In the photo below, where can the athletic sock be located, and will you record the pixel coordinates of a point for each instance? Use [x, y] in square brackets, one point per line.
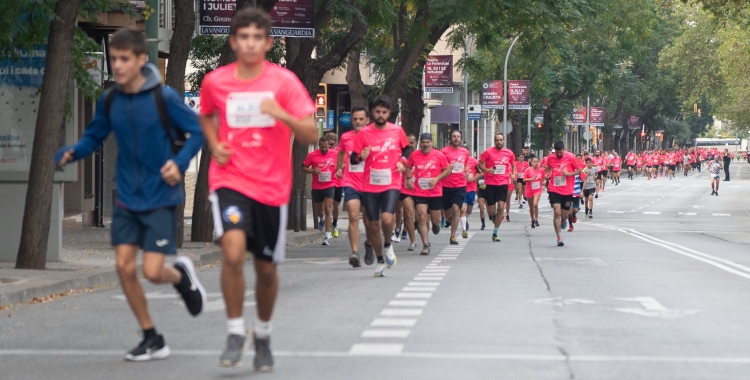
[387, 245]
[262, 329]
[328, 235]
[334, 222]
[236, 326]
[463, 223]
[150, 333]
[495, 231]
[380, 260]
[482, 220]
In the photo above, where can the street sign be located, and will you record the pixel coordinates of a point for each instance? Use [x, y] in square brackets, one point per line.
[475, 112]
[475, 116]
[539, 118]
[587, 135]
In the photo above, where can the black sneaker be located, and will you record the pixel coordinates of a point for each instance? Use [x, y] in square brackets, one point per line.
[435, 229]
[369, 254]
[149, 349]
[263, 361]
[190, 288]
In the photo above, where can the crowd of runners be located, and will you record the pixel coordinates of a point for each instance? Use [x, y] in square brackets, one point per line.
[403, 187]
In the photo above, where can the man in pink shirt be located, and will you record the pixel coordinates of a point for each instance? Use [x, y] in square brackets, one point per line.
[454, 186]
[630, 160]
[497, 163]
[338, 193]
[563, 167]
[321, 163]
[249, 112]
[381, 146]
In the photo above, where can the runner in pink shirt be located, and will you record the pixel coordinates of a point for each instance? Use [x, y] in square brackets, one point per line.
[521, 166]
[337, 183]
[454, 186]
[249, 112]
[497, 165]
[406, 207]
[631, 160]
[616, 167]
[351, 181]
[321, 163]
[425, 170]
[471, 192]
[601, 176]
[534, 178]
[563, 167]
[381, 146]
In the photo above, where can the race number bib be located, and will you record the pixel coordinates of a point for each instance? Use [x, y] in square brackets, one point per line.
[560, 180]
[499, 169]
[424, 183]
[359, 168]
[520, 175]
[616, 167]
[243, 110]
[324, 177]
[536, 185]
[481, 183]
[458, 167]
[380, 177]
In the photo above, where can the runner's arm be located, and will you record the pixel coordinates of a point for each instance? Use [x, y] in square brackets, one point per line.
[95, 134]
[185, 120]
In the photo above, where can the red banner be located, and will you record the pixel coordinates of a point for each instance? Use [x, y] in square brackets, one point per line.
[596, 116]
[438, 74]
[635, 122]
[519, 94]
[492, 94]
[579, 116]
[289, 18]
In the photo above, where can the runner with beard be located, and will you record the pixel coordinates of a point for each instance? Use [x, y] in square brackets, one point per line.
[630, 160]
[562, 167]
[498, 168]
[321, 163]
[407, 207]
[454, 186]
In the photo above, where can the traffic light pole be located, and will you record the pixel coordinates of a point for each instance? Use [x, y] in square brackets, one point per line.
[505, 89]
[152, 30]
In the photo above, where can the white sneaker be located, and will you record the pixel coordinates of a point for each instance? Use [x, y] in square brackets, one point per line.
[379, 269]
[396, 238]
[390, 257]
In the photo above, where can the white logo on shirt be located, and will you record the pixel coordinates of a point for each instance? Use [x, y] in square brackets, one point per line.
[162, 242]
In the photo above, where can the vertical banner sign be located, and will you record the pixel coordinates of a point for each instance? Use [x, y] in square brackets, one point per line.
[293, 18]
[215, 16]
[492, 95]
[519, 94]
[596, 116]
[635, 122]
[289, 18]
[438, 74]
[579, 116]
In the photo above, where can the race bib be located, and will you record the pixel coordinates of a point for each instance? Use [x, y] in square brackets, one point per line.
[617, 167]
[359, 168]
[243, 110]
[536, 185]
[481, 183]
[458, 167]
[380, 177]
[324, 177]
[559, 180]
[499, 169]
[520, 175]
[424, 183]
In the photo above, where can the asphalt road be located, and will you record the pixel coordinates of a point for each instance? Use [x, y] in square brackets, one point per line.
[654, 287]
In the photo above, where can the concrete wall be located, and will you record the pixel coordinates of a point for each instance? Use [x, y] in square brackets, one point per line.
[14, 201]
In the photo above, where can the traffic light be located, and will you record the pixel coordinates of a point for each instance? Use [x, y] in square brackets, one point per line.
[321, 101]
[539, 125]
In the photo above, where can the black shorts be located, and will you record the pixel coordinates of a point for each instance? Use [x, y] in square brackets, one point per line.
[433, 203]
[152, 231]
[402, 197]
[264, 225]
[565, 201]
[576, 202]
[480, 193]
[601, 175]
[378, 203]
[319, 195]
[453, 196]
[672, 167]
[495, 193]
[351, 194]
[337, 194]
[630, 167]
[588, 192]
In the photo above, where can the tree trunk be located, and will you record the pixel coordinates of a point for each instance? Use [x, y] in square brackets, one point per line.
[357, 89]
[517, 118]
[179, 50]
[413, 108]
[32, 252]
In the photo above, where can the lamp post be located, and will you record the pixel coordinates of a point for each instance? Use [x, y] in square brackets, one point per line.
[505, 87]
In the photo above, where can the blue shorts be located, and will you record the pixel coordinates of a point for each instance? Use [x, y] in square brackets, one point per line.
[152, 231]
[351, 194]
[470, 197]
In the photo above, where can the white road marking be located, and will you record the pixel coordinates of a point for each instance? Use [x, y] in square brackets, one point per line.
[401, 312]
[651, 213]
[432, 274]
[687, 213]
[394, 322]
[652, 308]
[559, 301]
[385, 334]
[413, 295]
[722, 215]
[374, 349]
[428, 279]
[615, 212]
[446, 258]
[424, 284]
[407, 303]
[419, 289]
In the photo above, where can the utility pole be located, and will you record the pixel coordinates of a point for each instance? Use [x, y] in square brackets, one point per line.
[588, 121]
[465, 134]
[505, 88]
[152, 30]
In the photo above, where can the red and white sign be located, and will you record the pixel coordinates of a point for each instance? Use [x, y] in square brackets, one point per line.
[519, 94]
[596, 116]
[492, 94]
[438, 74]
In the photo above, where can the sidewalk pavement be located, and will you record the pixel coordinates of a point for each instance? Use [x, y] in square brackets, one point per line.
[88, 262]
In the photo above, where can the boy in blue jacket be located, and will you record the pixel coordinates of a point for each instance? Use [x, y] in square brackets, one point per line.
[149, 180]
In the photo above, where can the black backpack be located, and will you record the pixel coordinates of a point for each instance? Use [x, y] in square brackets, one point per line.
[176, 136]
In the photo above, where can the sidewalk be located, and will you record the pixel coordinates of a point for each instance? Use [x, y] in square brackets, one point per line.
[87, 262]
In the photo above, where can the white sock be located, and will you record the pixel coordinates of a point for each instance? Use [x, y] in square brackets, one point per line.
[463, 223]
[262, 329]
[236, 326]
[328, 235]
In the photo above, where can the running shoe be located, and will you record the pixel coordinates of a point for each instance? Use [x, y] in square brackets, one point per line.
[532, 224]
[232, 354]
[560, 242]
[149, 349]
[325, 241]
[507, 218]
[263, 361]
[591, 216]
[495, 238]
[520, 205]
[435, 229]
[465, 234]
[190, 288]
[570, 229]
[536, 222]
[404, 234]
[442, 222]
[575, 219]
[713, 192]
[390, 257]
[412, 247]
[425, 250]
[379, 270]
[447, 224]
[335, 232]
[321, 225]
[453, 241]
[596, 196]
[354, 260]
[396, 238]
[482, 226]
[369, 254]
[717, 193]
[563, 224]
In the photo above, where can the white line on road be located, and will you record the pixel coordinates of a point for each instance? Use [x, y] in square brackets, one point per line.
[419, 289]
[413, 295]
[401, 312]
[428, 278]
[651, 213]
[424, 284]
[722, 214]
[397, 322]
[407, 303]
[385, 334]
[365, 349]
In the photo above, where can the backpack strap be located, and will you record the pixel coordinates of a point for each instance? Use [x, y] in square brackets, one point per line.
[109, 98]
[161, 108]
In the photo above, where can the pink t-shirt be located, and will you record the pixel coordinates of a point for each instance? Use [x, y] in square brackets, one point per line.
[631, 159]
[472, 186]
[521, 167]
[424, 168]
[386, 145]
[261, 163]
[459, 157]
[502, 161]
[533, 187]
[560, 183]
[616, 163]
[327, 165]
[352, 173]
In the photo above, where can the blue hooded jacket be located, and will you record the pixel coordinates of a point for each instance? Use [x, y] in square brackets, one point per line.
[142, 143]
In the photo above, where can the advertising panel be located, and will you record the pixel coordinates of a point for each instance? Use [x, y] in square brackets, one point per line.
[492, 95]
[438, 74]
[519, 94]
